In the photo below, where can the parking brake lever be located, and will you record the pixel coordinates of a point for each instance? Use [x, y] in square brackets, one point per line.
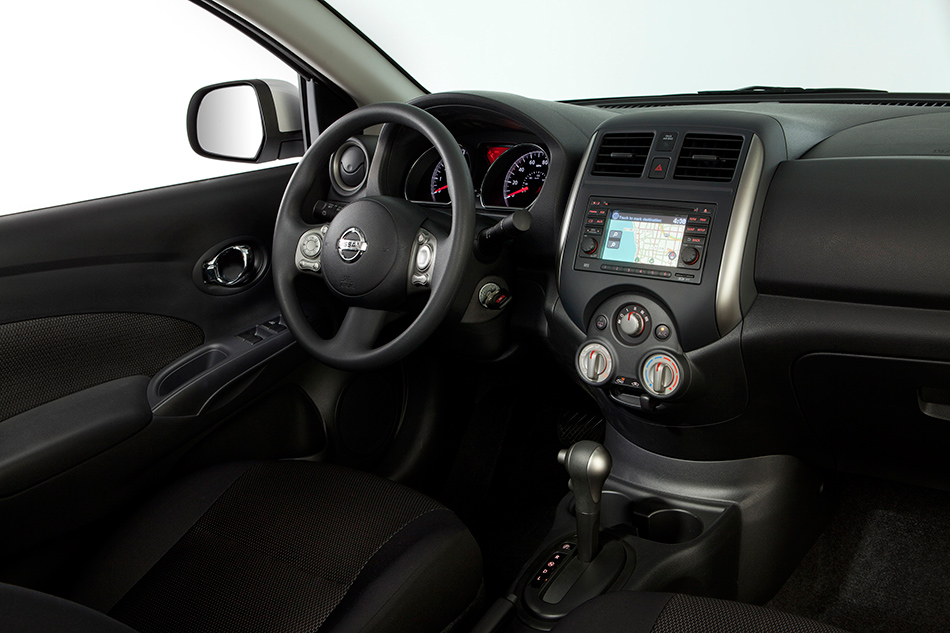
[588, 465]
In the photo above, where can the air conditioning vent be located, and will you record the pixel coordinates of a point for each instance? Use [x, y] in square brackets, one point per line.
[623, 155]
[709, 157]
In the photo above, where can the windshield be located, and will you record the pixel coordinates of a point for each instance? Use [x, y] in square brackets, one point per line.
[570, 49]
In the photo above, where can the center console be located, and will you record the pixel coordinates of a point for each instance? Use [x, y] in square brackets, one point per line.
[656, 262]
[655, 269]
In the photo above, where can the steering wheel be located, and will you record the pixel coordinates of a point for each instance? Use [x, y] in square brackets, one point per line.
[378, 250]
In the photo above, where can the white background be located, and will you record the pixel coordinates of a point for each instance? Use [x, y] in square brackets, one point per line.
[95, 92]
[569, 49]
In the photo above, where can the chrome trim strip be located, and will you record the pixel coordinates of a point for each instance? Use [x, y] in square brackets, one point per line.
[728, 307]
[571, 200]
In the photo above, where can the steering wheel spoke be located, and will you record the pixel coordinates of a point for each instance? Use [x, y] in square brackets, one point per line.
[359, 331]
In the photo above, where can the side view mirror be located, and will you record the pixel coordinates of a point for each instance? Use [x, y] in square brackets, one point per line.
[251, 121]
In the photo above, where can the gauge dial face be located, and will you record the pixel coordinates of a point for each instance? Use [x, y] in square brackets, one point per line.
[439, 184]
[525, 178]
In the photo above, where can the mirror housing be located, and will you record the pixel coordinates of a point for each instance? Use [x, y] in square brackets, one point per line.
[250, 121]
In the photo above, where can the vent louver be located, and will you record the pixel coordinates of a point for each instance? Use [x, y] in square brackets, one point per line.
[622, 155]
[709, 157]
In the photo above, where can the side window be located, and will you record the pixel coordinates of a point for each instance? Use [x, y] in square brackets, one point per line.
[96, 96]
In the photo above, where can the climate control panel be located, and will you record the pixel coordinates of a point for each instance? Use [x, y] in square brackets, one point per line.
[633, 352]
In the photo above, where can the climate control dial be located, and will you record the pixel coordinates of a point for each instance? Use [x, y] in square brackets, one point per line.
[661, 374]
[632, 320]
[595, 364]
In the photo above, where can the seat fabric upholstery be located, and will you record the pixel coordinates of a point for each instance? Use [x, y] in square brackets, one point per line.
[642, 612]
[287, 547]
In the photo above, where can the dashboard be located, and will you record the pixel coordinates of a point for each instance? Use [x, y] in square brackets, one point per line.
[727, 280]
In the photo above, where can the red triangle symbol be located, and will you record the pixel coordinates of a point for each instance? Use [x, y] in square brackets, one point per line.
[659, 167]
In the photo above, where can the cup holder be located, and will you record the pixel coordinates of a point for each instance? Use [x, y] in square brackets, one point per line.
[652, 519]
[672, 526]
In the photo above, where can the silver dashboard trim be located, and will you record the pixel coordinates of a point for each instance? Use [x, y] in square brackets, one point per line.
[728, 306]
[571, 200]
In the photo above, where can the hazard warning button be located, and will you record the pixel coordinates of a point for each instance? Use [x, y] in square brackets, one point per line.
[659, 167]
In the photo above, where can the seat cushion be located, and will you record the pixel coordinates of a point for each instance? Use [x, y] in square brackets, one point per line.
[284, 547]
[27, 611]
[643, 612]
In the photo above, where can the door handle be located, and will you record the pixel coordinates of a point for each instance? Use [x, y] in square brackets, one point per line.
[233, 266]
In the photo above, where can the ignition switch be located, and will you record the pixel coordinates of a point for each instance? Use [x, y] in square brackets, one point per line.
[493, 296]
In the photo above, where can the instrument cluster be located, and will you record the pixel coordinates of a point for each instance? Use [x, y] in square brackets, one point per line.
[506, 176]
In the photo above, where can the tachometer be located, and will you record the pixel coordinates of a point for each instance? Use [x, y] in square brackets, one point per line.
[525, 178]
[438, 184]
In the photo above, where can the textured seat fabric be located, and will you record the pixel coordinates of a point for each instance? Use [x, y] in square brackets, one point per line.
[27, 611]
[287, 547]
[641, 612]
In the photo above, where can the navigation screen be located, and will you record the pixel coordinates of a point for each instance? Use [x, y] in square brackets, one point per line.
[644, 238]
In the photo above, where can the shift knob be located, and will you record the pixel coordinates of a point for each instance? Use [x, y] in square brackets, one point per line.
[588, 465]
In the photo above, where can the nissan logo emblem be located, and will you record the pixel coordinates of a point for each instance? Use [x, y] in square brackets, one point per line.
[352, 244]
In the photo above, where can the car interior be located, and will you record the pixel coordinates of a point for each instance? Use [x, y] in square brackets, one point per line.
[480, 362]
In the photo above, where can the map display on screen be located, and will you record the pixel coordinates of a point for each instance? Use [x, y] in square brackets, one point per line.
[644, 238]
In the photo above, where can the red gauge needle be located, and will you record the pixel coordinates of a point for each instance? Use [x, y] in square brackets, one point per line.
[515, 193]
[442, 188]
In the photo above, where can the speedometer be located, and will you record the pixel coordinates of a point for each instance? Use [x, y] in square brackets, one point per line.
[515, 179]
[525, 178]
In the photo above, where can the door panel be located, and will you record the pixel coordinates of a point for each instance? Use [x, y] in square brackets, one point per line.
[99, 297]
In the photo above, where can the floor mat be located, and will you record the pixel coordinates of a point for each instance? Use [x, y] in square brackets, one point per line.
[883, 563]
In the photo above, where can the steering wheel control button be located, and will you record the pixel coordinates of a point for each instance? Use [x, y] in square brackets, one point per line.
[600, 322]
[423, 257]
[633, 322]
[312, 245]
[661, 375]
[595, 364]
[420, 279]
[659, 167]
[662, 332]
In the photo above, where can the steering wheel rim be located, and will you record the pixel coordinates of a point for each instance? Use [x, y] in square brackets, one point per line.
[351, 348]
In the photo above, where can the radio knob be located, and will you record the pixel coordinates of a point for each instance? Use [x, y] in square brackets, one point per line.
[631, 324]
[588, 245]
[690, 255]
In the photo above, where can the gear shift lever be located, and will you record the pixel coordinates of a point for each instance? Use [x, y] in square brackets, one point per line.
[588, 465]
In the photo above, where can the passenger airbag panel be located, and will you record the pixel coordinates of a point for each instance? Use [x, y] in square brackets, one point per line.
[869, 230]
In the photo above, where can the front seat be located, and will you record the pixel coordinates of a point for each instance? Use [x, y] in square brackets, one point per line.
[285, 547]
[645, 612]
